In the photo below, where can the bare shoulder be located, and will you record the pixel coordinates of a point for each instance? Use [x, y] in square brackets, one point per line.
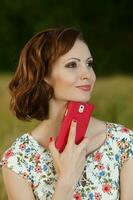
[12, 181]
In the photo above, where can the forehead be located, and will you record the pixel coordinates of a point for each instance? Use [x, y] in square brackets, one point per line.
[79, 50]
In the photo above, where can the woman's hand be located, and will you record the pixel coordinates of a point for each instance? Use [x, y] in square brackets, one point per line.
[70, 163]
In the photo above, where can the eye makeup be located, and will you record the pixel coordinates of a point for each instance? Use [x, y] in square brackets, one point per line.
[74, 64]
[90, 63]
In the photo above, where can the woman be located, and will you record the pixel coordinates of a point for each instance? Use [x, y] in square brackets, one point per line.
[52, 66]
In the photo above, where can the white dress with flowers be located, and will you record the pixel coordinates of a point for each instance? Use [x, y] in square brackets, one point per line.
[100, 179]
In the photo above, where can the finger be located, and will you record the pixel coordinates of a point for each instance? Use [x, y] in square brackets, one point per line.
[72, 132]
[84, 144]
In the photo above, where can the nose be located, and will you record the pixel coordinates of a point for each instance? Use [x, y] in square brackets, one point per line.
[85, 72]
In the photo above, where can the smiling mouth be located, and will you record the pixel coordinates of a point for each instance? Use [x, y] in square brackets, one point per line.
[85, 88]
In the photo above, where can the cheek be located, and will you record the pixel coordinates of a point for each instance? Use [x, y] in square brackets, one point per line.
[62, 81]
[93, 76]
[62, 86]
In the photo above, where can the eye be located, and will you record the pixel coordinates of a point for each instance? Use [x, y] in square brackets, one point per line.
[71, 65]
[90, 63]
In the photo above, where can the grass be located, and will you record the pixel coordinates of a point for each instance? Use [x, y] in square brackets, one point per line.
[112, 96]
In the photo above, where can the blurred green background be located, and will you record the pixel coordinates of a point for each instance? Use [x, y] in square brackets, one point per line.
[107, 26]
[108, 29]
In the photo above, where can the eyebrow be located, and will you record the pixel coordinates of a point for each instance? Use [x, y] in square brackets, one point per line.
[78, 59]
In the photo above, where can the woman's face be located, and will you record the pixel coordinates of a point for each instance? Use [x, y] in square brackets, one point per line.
[75, 68]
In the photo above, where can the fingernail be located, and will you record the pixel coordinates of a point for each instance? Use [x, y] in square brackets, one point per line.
[58, 149]
[51, 139]
[74, 120]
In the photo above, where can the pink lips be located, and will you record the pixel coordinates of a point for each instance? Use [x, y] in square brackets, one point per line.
[84, 87]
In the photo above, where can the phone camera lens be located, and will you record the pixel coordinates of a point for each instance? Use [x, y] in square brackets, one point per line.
[81, 108]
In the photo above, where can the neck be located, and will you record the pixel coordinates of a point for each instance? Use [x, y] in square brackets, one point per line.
[56, 110]
[52, 125]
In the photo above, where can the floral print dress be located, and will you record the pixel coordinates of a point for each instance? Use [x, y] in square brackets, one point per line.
[100, 179]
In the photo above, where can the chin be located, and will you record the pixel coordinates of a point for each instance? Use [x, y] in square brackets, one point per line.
[85, 99]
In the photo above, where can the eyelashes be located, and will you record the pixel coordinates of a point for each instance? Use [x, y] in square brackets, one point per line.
[74, 64]
[90, 63]
[71, 65]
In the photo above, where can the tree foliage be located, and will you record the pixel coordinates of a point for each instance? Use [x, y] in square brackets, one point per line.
[107, 27]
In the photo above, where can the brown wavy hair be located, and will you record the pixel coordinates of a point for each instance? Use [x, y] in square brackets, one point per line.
[30, 94]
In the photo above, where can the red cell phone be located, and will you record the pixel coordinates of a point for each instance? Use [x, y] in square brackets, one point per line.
[75, 110]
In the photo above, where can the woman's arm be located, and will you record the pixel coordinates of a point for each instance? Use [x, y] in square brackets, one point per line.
[64, 189]
[126, 180]
[17, 187]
